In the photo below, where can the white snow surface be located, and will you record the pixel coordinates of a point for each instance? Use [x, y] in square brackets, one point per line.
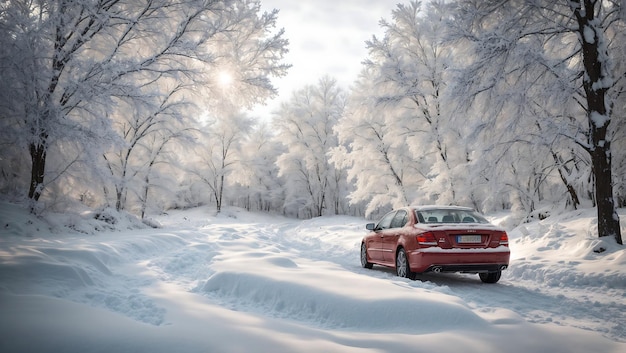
[247, 282]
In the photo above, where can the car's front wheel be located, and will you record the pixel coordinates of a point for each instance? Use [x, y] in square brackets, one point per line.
[490, 277]
[402, 265]
[364, 262]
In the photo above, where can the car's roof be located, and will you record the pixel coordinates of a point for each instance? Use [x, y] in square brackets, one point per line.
[438, 207]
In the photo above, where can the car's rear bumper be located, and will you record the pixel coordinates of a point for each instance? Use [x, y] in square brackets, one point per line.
[467, 268]
[459, 260]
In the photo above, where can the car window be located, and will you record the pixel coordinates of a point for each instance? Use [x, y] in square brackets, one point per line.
[385, 222]
[448, 215]
[400, 219]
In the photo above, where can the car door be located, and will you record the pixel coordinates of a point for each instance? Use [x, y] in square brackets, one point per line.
[390, 237]
[375, 241]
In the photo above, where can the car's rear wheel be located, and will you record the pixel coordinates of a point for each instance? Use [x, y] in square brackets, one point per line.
[490, 277]
[402, 265]
[364, 262]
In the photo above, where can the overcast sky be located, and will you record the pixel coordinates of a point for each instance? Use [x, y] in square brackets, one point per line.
[325, 37]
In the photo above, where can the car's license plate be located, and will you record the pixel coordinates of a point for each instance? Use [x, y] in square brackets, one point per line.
[463, 239]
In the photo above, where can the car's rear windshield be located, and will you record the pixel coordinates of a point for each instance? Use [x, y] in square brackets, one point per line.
[448, 215]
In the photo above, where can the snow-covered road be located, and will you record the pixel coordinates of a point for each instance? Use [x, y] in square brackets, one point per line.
[242, 282]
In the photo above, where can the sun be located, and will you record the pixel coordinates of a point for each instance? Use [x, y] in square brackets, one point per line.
[225, 79]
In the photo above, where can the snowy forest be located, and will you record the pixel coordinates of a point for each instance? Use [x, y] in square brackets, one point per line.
[144, 106]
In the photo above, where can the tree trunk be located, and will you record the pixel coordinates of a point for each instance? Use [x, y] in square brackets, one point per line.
[608, 220]
[562, 173]
[38, 170]
[146, 189]
[596, 85]
[220, 192]
[39, 149]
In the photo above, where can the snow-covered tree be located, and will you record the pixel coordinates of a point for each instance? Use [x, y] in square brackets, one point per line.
[549, 61]
[399, 111]
[416, 68]
[67, 64]
[219, 153]
[148, 127]
[305, 126]
[257, 185]
[376, 160]
[146, 130]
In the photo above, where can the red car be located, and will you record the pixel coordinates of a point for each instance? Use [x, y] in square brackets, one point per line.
[422, 239]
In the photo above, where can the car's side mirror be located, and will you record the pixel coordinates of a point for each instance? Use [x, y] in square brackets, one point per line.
[370, 226]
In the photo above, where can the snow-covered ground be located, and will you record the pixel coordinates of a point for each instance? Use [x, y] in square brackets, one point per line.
[245, 282]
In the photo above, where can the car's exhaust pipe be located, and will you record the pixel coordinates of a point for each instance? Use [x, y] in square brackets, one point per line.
[436, 269]
[503, 267]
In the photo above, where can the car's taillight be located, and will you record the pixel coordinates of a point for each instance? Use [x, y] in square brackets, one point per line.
[427, 239]
[504, 239]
